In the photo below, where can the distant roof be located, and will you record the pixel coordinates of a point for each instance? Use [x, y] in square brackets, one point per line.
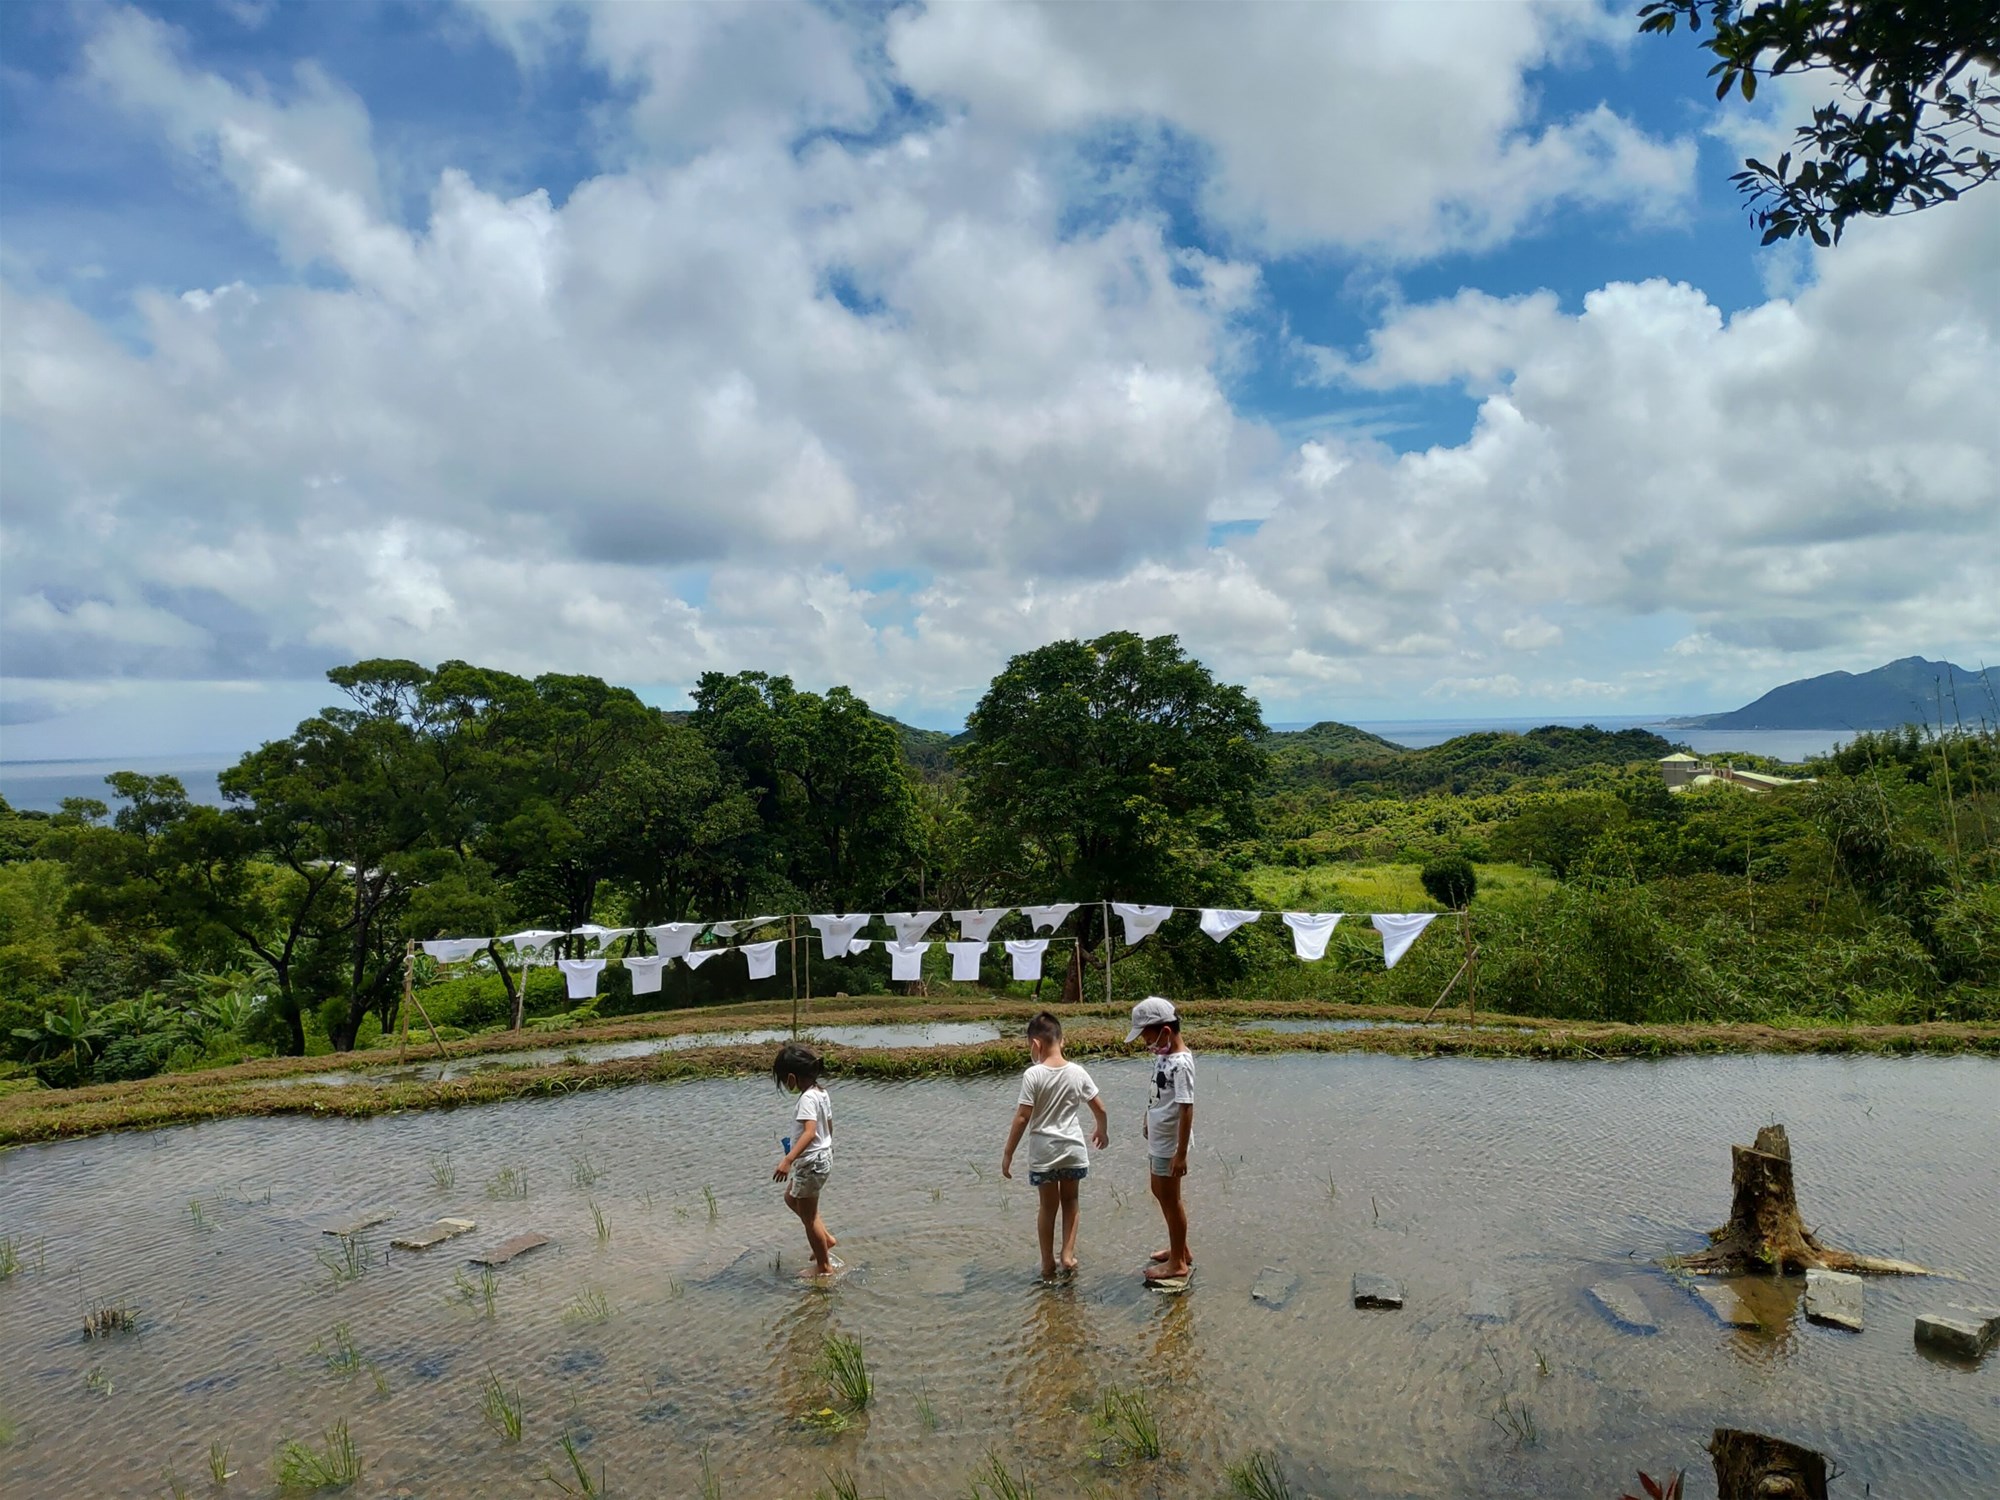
[1677, 755]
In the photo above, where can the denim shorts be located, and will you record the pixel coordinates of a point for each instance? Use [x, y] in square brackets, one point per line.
[807, 1179]
[1163, 1166]
[1058, 1174]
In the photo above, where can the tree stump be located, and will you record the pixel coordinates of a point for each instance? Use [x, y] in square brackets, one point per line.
[1765, 1233]
[1750, 1466]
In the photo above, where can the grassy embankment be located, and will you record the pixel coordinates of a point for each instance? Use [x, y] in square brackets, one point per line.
[262, 1087]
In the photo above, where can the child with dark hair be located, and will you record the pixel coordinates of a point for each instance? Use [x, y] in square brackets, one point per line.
[808, 1158]
[1169, 1123]
[1050, 1113]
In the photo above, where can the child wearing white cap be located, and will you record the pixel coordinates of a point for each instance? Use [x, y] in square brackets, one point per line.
[1169, 1124]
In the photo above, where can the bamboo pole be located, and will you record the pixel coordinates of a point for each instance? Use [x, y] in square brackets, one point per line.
[792, 950]
[410, 995]
[409, 989]
[1108, 1005]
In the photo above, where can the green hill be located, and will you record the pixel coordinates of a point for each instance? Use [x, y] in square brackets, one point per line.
[1910, 691]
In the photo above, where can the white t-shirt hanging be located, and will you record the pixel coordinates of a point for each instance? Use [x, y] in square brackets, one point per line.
[1048, 918]
[645, 973]
[977, 926]
[1027, 955]
[533, 940]
[762, 958]
[600, 937]
[906, 960]
[911, 925]
[452, 950]
[859, 946]
[815, 1106]
[673, 938]
[1310, 930]
[694, 958]
[1056, 1098]
[837, 931]
[965, 959]
[580, 975]
[1398, 932]
[1219, 922]
[1173, 1086]
[1140, 921]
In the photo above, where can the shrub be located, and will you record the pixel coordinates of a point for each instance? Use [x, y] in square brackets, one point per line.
[1450, 881]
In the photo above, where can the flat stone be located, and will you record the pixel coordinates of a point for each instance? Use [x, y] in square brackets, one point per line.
[1373, 1290]
[1622, 1305]
[1834, 1297]
[1273, 1287]
[1727, 1304]
[1170, 1286]
[357, 1226]
[434, 1234]
[1967, 1332]
[1490, 1303]
[506, 1250]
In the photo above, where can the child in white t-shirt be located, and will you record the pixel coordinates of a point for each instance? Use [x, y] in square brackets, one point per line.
[808, 1159]
[1050, 1113]
[1169, 1124]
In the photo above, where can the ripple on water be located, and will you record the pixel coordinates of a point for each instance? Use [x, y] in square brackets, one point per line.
[1543, 1177]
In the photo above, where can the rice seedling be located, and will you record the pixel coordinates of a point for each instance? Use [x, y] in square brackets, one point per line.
[444, 1176]
[6, 1431]
[841, 1485]
[1541, 1363]
[843, 1366]
[681, 1212]
[926, 1411]
[344, 1358]
[381, 1380]
[603, 1224]
[994, 1482]
[198, 1216]
[1517, 1421]
[937, 1194]
[335, 1465]
[508, 1182]
[94, 1379]
[1128, 1418]
[711, 1482]
[219, 1472]
[1259, 1477]
[348, 1261]
[582, 1172]
[589, 1306]
[978, 1172]
[176, 1486]
[485, 1289]
[501, 1407]
[708, 1196]
[10, 1258]
[1332, 1188]
[646, 1200]
[584, 1486]
[674, 1288]
[102, 1319]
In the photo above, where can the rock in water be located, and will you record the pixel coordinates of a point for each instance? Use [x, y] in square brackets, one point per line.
[1374, 1290]
[358, 1226]
[1967, 1332]
[1273, 1287]
[506, 1250]
[1834, 1297]
[1727, 1304]
[434, 1234]
[1621, 1304]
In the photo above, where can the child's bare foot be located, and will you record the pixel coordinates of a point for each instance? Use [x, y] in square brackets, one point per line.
[1166, 1270]
[1069, 1265]
[1159, 1255]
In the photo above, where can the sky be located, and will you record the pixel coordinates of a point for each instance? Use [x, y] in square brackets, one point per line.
[1405, 360]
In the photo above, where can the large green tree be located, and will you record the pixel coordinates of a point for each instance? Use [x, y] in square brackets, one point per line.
[1915, 121]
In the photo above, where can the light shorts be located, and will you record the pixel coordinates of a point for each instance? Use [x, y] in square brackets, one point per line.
[1058, 1174]
[1163, 1166]
[807, 1178]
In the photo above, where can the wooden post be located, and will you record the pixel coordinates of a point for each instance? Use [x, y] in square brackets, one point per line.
[1472, 967]
[792, 951]
[409, 988]
[1107, 956]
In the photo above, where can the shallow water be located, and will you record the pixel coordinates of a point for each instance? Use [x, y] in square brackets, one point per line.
[1543, 1176]
[921, 1034]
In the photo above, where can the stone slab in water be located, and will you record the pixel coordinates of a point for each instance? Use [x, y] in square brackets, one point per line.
[1273, 1287]
[1834, 1297]
[1621, 1303]
[1490, 1303]
[366, 1221]
[1169, 1286]
[1965, 1331]
[506, 1250]
[1727, 1304]
[434, 1234]
[1374, 1290]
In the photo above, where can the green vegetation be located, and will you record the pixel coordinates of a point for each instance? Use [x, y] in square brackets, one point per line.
[995, 1481]
[501, 1407]
[581, 1483]
[845, 1370]
[334, 1465]
[1259, 1477]
[1126, 1417]
[588, 1306]
[344, 1358]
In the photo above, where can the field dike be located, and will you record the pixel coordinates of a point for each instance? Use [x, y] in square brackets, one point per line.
[269, 1086]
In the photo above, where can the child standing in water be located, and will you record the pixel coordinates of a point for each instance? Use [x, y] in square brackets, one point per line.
[1169, 1124]
[809, 1159]
[1053, 1093]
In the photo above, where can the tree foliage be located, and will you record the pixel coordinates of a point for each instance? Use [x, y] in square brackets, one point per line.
[1917, 117]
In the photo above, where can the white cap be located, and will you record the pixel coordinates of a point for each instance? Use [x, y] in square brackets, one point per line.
[1151, 1011]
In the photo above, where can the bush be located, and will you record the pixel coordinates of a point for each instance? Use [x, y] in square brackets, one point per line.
[1450, 881]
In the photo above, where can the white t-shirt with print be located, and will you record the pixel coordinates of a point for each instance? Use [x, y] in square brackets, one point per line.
[1055, 1098]
[815, 1106]
[1173, 1086]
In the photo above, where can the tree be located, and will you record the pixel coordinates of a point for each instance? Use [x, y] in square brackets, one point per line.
[1117, 767]
[1916, 122]
[1450, 881]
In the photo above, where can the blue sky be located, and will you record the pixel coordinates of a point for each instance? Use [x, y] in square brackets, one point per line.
[1406, 361]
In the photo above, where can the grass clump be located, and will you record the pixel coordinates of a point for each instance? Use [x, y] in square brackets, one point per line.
[927, 1412]
[1259, 1477]
[508, 1182]
[484, 1289]
[444, 1176]
[993, 1481]
[583, 1172]
[348, 1261]
[344, 1358]
[501, 1407]
[580, 1483]
[198, 1216]
[845, 1368]
[102, 1319]
[603, 1224]
[588, 1306]
[10, 1258]
[1128, 1418]
[842, 1485]
[219, 1472]
[708, 1197]
[334, 1465]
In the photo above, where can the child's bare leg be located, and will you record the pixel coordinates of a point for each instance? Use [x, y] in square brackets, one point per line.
[1068, 1199]
[807, 1210]
[826, 1242]
[1047, 1196]
[1177, 1262]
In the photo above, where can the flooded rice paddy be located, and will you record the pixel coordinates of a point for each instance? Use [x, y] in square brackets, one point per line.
[663, 1328]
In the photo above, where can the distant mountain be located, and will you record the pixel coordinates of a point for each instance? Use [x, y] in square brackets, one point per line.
[1910, 691]
[1342, 757]
[1326, 740]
